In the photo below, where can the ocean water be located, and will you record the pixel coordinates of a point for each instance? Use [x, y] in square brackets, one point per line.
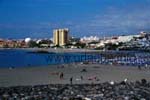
[25, 58]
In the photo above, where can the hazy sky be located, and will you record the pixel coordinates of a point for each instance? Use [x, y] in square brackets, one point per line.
[37, 18]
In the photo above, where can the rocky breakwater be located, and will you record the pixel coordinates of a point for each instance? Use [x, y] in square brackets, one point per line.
[124, 90]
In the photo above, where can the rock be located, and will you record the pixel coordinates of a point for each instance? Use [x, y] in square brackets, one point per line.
[87, 98]
[112, 83]
[102, 91]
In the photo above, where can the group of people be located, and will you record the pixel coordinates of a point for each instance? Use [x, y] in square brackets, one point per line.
[61, 76]
[91, 78]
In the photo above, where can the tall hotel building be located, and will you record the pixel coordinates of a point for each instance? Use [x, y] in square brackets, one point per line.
[60, 36]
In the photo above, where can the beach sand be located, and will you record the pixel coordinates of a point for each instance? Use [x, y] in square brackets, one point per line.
[50, 74]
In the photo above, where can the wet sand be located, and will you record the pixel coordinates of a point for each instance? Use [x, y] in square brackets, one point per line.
[50, 74]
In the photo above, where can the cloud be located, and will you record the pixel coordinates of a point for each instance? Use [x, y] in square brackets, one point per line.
[120, 17]
[119, 21]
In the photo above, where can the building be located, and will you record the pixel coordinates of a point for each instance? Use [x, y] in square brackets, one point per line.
[2, 43]
[89, 39]
[60, 37]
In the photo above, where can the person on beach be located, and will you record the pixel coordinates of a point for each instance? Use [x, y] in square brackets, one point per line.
[139, 67]
[83, 70]
[61, 76]
[81, 77]
[146, 66]
[71, 79]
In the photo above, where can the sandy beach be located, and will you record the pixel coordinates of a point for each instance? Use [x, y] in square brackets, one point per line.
[95, 73]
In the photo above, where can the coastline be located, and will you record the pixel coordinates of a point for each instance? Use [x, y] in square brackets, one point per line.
[50, 74]
[59, 50]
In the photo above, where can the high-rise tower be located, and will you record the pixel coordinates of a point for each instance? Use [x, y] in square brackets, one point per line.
[60, 36]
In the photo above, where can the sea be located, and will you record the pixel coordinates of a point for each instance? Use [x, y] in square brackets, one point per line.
[11, 58]
[25, 58]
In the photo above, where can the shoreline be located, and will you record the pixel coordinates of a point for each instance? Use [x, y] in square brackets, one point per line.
[59, 50]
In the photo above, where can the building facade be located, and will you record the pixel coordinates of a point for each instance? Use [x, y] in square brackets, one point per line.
[60, 37]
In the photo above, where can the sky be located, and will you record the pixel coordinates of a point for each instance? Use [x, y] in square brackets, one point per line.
[38, 18]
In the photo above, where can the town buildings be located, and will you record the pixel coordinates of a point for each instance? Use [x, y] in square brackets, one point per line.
[61, 39]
